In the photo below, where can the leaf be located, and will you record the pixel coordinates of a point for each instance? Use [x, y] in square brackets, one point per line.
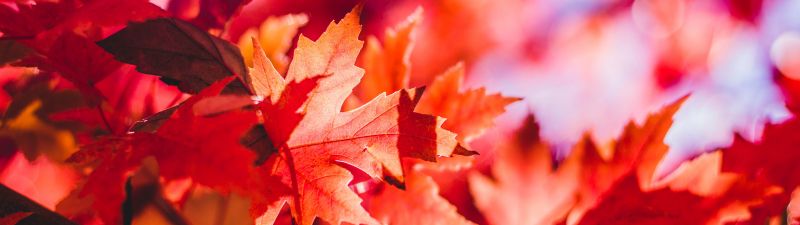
[80, 61]
[23, 20]
[266, 81]
[526, 187]
[178, 52]
[115, 12]
[468, 113]
[529, 188]
[627, 204]
[421, 199]
[700, 193]
[318, 142]
[35, 136]
[771, 160]
[275, 36]
[185, 145]
[37, 25]
[697, 193]
[387, 67]
[640, 148]
[739, 194]
[206, 207]
[206, 14]
[444, 40]
[26, 122]
[153, 122]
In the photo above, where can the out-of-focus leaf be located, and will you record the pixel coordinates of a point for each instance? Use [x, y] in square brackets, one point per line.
[206, 14]
[80, 61]
[206, 207]
[525, 186]
[205, 148]
[387, 66]
[275, 36]
[26, 122]
[420, 199]
[11, 51]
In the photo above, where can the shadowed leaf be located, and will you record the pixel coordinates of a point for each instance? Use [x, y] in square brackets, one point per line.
[178, 52]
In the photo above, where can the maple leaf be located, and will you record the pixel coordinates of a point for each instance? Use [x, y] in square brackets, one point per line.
[420, 198]
[770, 160]
[266, 80]
[387, 66]
[187, 144]
[37, 24]
[178, 52]
[526, 187]
[80, 61]
[318, 141]
[387, 69]
[699, 192]
[23, 20]
[275, 35]
[63, 35]
[391, 63]
[552, 193]
[468, 113]
[628, 204]
[639, 149]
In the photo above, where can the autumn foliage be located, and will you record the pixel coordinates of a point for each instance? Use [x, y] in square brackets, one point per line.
[202, 112]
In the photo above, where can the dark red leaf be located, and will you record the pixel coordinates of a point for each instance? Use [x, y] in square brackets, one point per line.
[178, 52]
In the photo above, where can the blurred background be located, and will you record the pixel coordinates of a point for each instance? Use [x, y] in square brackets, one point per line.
[593, 65]
[581, 66]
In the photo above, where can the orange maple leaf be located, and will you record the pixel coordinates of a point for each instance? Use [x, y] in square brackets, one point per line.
[468, 113]
[420, 199]
[387, 66]
[526, 187]
[638, 150]
[318, 142]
